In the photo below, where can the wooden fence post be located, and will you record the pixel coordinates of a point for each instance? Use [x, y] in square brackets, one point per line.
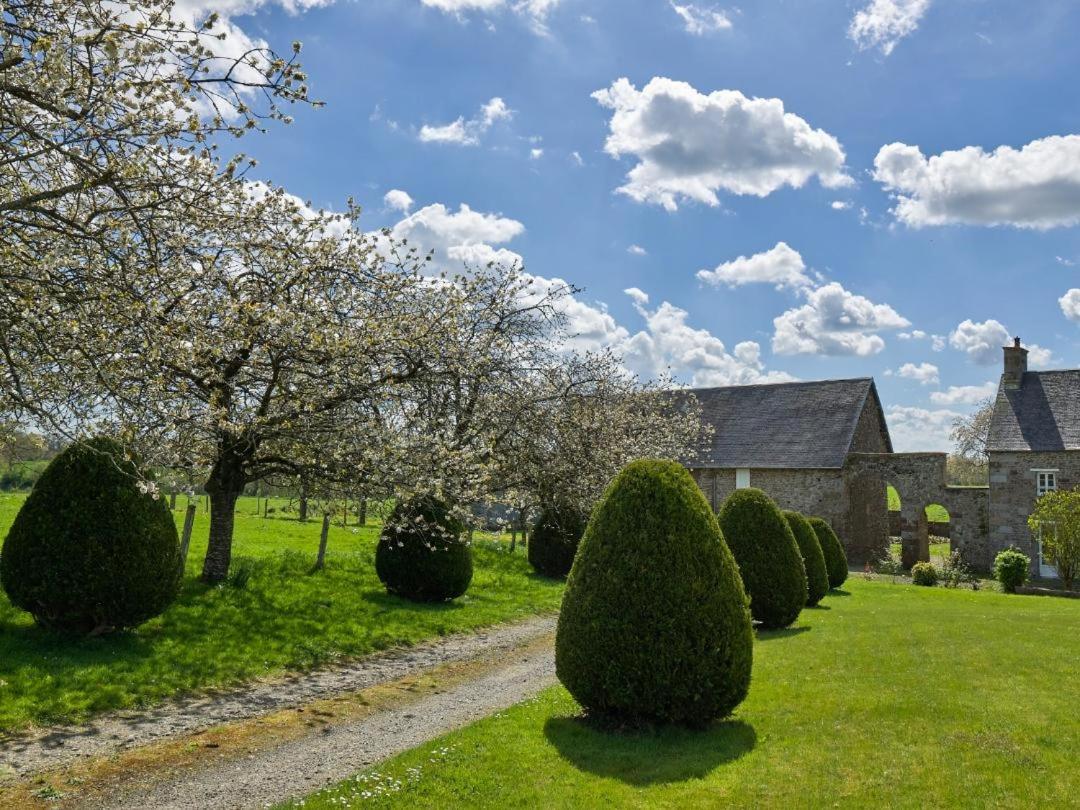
[185, 538]
[320, 561]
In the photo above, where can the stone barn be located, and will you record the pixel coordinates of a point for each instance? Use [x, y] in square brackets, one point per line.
[798, 442]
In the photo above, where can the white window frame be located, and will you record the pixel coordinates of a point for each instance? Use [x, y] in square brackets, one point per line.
[742, 478]
[1046, 570]
[1045, 481]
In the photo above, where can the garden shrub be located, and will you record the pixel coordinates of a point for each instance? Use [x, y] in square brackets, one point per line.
[1011, 568]
[835, 558]
[817, 577]
[768, 556]
[554, 541]
[654, 626]
[924, 573]
[422, 554]
[88, 551]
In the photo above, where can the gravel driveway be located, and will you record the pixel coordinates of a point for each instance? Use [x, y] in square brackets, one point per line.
[520, 663]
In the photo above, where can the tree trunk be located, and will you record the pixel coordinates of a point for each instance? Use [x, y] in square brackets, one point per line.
[303, 503]
[219, 548]
[320, 561]
[185, 538]
[172, 501]
[363, 512]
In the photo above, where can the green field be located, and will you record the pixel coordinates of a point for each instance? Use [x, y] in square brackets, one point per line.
[887, 696]
[284, 618]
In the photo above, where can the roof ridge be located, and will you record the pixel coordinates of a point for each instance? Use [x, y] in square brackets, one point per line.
[784, 383]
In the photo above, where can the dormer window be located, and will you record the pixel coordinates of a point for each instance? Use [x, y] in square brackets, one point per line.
[1045, 481]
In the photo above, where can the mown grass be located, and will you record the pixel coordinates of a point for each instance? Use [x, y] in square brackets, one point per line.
[284, 618]
[888, 696]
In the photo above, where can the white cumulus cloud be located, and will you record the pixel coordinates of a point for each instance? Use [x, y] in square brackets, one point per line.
[1036, 186]
[468, 132]
[835, 322]
[781, 266]
[669, 344]
[983, 342]
[964, 394]
[398, 200]
[637, 250]
[920, 429]
[536, 11]
[924, 373]
[883, 23]
[700, 21]
[1070, 304]
[691, 145]
[460, 237]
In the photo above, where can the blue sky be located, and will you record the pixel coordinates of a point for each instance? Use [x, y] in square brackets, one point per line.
[629, 144]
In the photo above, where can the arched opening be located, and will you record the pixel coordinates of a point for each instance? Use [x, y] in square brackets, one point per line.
[892, 499]
[939, 529]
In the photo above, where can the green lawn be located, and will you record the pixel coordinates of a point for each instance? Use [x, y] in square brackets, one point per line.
[284, 618]
[888, 696]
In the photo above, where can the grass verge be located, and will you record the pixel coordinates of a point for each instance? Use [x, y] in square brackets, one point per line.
[283, 618]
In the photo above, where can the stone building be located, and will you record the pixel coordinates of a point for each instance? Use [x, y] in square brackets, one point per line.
[1034, 446]
[823, 448]
[797, 442]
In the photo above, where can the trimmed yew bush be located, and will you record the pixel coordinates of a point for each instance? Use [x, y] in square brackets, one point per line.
[768, 556]
[654, 626]
[422, 554]
[1011, 567]
[835, 557]
[89, 552]
[924, 573]
[817, 577]
[554, 541]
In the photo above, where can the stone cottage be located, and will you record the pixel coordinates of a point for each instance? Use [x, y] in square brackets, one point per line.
[796, 441]
[1034, 446]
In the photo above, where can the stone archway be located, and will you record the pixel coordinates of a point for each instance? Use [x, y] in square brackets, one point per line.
[919, 479]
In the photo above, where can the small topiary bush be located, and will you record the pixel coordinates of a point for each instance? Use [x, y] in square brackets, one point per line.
[654, 626]
[835, 558]
[768, 556]
[817, 577]
[1011, 568]
[924, 573]
[89, 552]
[422, 554]
[554, 540]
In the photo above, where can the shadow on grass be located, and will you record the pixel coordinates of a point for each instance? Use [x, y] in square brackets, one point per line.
[649, 757]
[818, 606]
[838, 592]
[786, 632]
[388, 601]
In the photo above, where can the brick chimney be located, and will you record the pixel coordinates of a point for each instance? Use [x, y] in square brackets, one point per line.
[1015, 364]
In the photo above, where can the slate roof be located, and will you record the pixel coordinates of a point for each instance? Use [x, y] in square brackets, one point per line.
[805, 425]
[1042, 415]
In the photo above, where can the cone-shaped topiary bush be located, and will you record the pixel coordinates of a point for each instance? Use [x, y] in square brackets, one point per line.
[835, 558]
[768, 557]
[89, 552]
[654, 625]
[817, 577]
[554, 540]
[422, 555]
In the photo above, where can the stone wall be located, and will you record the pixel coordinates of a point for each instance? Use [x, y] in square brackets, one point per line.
[919, 479]
[821, 493]
[1013, 493]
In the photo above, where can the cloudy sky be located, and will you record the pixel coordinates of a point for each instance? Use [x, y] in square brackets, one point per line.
[774, 190]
